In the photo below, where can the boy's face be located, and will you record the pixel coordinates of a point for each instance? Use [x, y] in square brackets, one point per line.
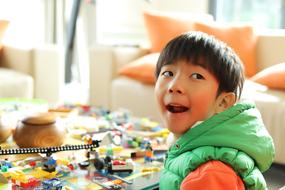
[185, 94]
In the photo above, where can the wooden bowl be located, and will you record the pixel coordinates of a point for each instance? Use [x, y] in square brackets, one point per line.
[39, 130]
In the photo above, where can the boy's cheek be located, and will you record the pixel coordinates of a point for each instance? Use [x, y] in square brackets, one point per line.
[205, 95]
[159, 89]
[204, 103]
[203, 98]
[158, 94]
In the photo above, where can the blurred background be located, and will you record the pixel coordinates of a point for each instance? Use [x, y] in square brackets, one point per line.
[75, 25]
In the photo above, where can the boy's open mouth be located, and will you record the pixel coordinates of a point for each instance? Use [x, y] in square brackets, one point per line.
[175, 108]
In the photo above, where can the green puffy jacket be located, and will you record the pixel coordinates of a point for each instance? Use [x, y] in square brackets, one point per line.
[236, 136]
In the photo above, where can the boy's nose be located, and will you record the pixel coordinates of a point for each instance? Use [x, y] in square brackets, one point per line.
[171, 90]
[175, 87]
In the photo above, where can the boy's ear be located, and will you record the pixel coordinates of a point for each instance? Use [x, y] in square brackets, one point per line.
[224, 101]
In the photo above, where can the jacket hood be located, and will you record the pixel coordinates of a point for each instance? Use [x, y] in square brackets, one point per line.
[240, 127]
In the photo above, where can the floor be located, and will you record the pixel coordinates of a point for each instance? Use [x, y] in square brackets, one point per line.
[275, 177]
[75, 92]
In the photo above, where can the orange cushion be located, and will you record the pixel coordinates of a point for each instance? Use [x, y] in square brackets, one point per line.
[163, 26]
[241, 38]
[3, 27]
[141, 69]
[273, 77]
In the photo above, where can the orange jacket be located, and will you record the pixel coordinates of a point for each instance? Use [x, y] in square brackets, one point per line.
[212, 175]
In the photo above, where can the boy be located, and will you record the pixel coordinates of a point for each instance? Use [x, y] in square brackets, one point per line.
[219, 143]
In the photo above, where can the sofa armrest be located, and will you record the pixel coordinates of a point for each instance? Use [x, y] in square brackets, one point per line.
[270, 48]
[48, 73]
[17, 58]
[104, 64]
[45, 64]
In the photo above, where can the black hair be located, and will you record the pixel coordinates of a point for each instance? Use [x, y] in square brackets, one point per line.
[207, 51]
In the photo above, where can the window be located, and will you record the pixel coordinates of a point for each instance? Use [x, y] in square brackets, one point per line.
[120, 22]
[262, 13]
[26, 21]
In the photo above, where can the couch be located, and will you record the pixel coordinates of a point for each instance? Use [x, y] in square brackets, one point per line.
[114, 91]
[32, 72]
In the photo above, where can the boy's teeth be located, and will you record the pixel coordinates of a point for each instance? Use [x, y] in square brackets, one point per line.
[176, 109]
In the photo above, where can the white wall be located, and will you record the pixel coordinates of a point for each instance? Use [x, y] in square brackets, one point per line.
[121, 21]
[26, 21]
[197, 6]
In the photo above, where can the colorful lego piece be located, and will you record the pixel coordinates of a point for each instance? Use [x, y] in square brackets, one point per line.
[148, 153]
[41, 174]
[21, 180]
[5, 165]
[50, 164]
[52, 184]
[113, 166]
[120, 166]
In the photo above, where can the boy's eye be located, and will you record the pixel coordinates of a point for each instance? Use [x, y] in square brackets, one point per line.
[197, 76]
[167, 74]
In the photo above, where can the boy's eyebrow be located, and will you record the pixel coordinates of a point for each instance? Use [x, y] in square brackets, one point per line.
[200, 65]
